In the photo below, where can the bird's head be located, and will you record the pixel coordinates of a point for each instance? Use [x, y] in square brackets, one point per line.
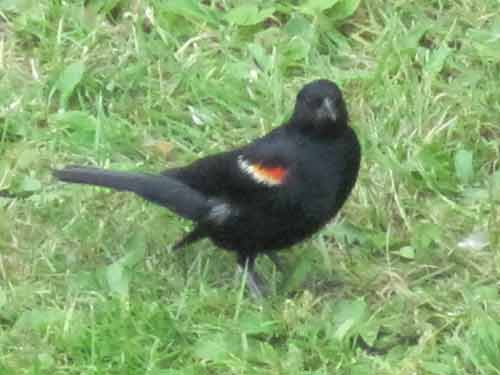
[320, 108]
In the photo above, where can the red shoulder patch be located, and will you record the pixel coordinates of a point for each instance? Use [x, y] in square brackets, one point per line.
[276, 174]
[271, 176]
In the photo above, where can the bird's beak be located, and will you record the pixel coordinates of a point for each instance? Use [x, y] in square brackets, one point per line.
[327, 110]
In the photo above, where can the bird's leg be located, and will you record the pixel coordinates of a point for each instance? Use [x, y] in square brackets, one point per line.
[278, 262]
[193, 236]
[255, 283]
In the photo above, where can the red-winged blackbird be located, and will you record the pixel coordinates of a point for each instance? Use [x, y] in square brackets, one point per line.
[261, 197]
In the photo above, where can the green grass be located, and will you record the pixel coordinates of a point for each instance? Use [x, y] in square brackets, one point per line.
[87, 284]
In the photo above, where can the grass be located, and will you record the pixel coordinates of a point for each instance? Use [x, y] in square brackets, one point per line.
[87, 285]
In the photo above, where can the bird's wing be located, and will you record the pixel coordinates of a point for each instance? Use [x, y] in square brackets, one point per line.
[262, 171]
[212, 175]
[263, 165]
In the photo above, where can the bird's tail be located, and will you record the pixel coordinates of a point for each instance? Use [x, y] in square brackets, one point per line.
[163, 190]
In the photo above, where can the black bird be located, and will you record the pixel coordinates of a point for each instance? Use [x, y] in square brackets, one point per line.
[261, 197]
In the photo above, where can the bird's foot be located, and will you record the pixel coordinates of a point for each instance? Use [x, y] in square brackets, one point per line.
[278, 262]
[256, 285]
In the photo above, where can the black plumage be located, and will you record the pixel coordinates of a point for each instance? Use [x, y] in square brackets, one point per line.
[263, 196]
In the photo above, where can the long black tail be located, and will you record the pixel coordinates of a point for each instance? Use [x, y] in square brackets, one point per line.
[162, 190]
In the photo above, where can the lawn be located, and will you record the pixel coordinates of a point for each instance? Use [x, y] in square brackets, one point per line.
[404, 281]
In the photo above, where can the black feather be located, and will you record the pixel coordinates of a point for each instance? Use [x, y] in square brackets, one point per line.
[233, 205]
[158, 189]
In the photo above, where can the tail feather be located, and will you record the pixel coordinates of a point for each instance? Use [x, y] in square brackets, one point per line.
[159, 189]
